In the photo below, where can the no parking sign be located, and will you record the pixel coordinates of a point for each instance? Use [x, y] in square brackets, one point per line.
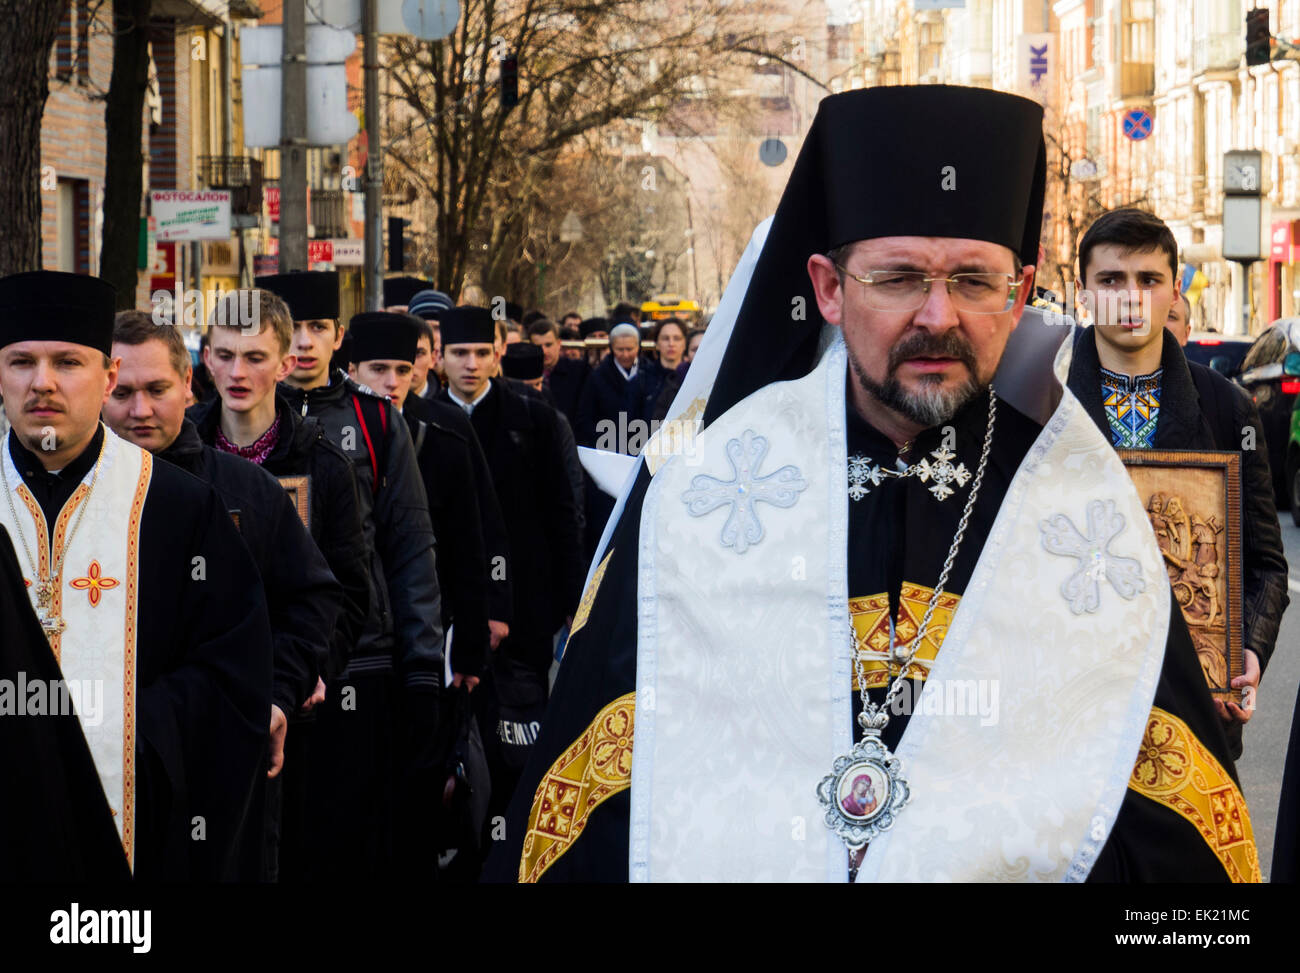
[1137, 124]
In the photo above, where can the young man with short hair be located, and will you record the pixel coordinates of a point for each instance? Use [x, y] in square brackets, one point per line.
[144, 589]
[396, 669]
[147, 407]
[566, 376]
[1131, 376]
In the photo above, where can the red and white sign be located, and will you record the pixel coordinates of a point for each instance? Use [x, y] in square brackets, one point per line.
[273, 203]
[320, 251]
[162, 275]
[1280, 242]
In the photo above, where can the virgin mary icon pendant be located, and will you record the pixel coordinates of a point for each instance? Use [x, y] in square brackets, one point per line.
[864, 791]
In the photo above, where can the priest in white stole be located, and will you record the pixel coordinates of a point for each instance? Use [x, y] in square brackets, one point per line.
[150, 604]
[896, 614]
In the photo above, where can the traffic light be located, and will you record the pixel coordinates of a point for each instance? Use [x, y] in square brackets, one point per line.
[1258, 41]
[397, 243]
[510, 79]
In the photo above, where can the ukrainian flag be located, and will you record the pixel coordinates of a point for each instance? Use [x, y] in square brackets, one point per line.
[1191, 283]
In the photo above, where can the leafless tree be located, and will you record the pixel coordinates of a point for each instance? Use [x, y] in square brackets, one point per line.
[30, 27]
[586, 71]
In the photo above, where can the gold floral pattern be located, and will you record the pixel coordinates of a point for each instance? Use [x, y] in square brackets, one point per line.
[589, 596]
[870, 617]
[594, 768]
[1173, 768]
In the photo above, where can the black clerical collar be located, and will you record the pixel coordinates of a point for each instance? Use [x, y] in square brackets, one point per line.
[34, 473]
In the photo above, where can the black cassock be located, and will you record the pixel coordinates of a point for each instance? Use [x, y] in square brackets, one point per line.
[203, 681]
[899, 538]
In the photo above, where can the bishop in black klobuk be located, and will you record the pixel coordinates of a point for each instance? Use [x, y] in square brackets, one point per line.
[897, 547]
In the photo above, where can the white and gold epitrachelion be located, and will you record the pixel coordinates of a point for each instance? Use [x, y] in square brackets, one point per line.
[88, 607]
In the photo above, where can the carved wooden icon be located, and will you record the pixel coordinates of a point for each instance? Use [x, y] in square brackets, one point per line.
[299, 490]
[1193, 500]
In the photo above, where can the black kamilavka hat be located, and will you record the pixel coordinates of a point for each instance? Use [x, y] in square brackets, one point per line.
[312, 295]
[49, 305]
[382, 335]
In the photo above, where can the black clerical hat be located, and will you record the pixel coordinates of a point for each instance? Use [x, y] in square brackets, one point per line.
[382, 335]
[590, 326]
[901, 160]
[49, 305]
[467, 325]
[399, 290]
[312, 295]
[523, 360]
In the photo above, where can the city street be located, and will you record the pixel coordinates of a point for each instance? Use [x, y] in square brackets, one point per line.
[1266, 737]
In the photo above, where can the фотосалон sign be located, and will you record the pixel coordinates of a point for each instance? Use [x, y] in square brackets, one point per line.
[191, 214]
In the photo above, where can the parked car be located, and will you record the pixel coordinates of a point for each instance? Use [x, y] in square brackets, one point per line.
[1293, 467]
[1222, 352]
[1275, 389]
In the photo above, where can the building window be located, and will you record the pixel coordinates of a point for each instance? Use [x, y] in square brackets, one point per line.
[72, 247]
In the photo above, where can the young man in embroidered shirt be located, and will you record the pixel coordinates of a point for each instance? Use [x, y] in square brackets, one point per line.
[147, 407]
[1130, 374]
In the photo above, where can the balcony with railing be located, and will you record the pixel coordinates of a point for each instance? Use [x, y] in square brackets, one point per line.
[240, 174]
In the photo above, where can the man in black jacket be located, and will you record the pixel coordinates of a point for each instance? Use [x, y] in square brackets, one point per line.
[1133, 379]
[147, 407]
[521, 438]
[566, 376]
[398, 663]
[382, 351]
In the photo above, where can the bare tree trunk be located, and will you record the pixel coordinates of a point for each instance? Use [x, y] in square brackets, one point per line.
[26, 39]
[123, 175]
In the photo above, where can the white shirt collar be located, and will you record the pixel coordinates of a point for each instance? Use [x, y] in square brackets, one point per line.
[469, 407]
[624, 372]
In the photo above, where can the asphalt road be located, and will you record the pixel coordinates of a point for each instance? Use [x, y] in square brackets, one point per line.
[1266, 736]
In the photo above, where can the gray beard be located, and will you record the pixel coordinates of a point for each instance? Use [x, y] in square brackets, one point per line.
[933, 405]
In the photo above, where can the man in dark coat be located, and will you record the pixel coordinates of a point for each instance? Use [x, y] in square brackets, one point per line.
[566, 376]
[147, 407]
[383, 347]
[151, 595]
[521, 438]
[1139, 388]
[397, 665]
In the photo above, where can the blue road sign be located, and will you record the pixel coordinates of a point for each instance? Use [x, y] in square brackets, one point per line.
[1137, 124]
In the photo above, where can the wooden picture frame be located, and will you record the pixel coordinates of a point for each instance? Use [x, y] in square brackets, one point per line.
[299, 490]
[1193, 499]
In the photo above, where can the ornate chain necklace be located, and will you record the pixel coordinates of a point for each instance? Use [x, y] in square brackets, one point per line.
[865, 789]
[52, 624]
[862, 471]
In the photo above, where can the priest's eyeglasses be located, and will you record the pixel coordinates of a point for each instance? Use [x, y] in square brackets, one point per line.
[907, 290]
